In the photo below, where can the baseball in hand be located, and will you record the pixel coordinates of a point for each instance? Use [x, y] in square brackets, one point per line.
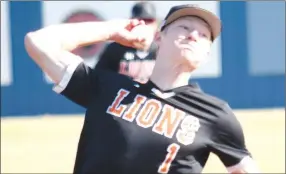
[147, 33]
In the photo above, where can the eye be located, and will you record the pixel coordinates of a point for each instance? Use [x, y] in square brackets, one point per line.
[204, 35]
[184, 27]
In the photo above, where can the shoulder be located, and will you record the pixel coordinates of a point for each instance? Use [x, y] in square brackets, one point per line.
[219, 109]
[224, 114]
[194, 93]
[225, 125]
[227, 119]
[228, 128]
[222, 111]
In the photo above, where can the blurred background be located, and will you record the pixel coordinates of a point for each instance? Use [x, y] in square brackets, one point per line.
[40, 129]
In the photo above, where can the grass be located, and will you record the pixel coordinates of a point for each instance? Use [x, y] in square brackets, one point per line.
[48, 144]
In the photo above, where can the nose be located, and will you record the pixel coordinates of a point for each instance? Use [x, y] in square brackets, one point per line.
[193, 36]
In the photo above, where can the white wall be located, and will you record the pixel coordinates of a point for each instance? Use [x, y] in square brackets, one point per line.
[6, 59]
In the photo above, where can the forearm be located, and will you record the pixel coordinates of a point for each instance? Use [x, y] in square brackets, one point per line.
[246, 165]
[249, 169]
[72, 35]
[49, 47]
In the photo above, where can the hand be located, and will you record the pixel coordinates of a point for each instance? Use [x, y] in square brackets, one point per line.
[124, 34]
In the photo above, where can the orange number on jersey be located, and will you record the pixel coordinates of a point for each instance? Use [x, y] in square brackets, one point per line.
[172, 152]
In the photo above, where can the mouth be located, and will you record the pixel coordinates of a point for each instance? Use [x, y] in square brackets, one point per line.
[190, 46]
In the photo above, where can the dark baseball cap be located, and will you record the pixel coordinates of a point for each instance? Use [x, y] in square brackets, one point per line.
[210, 18]
[144, 10]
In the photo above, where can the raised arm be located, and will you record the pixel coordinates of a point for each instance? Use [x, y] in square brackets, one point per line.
[50, 47]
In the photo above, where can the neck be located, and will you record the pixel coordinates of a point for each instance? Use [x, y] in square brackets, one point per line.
[166, 77]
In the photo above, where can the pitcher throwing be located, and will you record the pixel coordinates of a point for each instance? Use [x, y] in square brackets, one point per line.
[163, 126]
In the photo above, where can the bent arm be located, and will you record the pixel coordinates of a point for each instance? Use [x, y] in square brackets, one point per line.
[246, 165]
[229, 144]
[50, 47]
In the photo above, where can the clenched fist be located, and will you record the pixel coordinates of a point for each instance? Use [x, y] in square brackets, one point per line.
[132, 33]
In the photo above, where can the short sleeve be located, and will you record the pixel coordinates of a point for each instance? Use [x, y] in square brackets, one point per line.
[228, 142]
[78, 82]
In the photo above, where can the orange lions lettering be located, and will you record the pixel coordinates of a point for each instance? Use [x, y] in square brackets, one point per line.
[132, 111]
[168, 123]
[164, 119]
[149, 113]
[116, 107]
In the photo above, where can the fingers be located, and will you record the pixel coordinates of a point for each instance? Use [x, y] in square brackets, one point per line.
[127, 36]
[133, 23]
[132, 37]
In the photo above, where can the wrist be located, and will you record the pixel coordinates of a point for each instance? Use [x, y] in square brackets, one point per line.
[116, 26]
[113, 27]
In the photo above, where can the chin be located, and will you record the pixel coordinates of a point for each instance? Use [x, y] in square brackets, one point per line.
[192, 62]
[190, 65]
[189, 59]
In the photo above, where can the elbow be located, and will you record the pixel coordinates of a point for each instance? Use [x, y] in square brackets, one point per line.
[29, 43]
[51, 38]
[28, 40]
[29, 36]
[39, 43]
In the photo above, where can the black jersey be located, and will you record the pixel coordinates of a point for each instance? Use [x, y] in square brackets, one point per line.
[137, 128]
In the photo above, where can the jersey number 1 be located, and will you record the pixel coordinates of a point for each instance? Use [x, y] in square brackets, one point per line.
[172, 152]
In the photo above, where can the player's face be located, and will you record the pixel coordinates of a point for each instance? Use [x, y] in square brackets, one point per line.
[186, 40]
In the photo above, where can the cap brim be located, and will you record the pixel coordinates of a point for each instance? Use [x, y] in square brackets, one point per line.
[212, 20]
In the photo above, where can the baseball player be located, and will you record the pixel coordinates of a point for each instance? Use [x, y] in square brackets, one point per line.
[135, 63]
[162, 126]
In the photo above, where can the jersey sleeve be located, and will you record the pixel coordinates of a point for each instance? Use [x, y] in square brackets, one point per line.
[109, 58]
[78, 83]
[228, 141]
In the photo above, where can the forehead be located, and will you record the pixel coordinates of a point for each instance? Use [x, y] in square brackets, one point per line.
[191, 20]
